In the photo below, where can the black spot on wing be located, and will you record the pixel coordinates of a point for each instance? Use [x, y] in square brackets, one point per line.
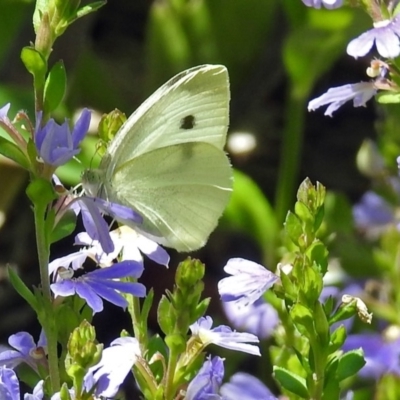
[187, 122]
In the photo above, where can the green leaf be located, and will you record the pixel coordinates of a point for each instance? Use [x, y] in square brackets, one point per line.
[331, 390]
[41, 192]
[66, 321]
[89, 8]
[318, 253]
[22, 289]
[321, 324]
[349, 364]
[13, 152]
[312, 283]
[156, 346]
[303, 212]
[293, 227]
[148, 302]
[291, 382]
[338, 338]
[64, 227]
[34, 62]
[55, 86]
[201, 308]
[164, 315]
[303, 318]
[290, 290]
[388, 98]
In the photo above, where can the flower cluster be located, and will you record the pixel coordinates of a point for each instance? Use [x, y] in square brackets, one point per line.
[385, 37]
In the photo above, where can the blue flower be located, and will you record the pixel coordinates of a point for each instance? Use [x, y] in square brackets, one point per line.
[381, 356]
[4, 111]
[259, 318]
[373, 212]
[330, 4]
[55, 143]
[9, 385]
[115, 364]
[206, 384]
[248, 282]
[245, 387]
[100, 283]
[37, 393]
[385, 35]
[127, 242]
[360, 93]
[25, 350]
[94, 223]
[224, 336]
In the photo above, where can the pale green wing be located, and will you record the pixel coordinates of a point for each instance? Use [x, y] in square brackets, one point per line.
[193, 106]
[180, 191]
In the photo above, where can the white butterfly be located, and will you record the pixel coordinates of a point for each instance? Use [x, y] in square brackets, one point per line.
[167, 162]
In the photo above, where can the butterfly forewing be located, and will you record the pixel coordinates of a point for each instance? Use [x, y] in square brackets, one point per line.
[191, 107]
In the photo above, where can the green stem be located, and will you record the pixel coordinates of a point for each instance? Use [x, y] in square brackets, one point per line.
[139, 330]
[46, 318]
[290, 155]
[169, 379]
[318, 377]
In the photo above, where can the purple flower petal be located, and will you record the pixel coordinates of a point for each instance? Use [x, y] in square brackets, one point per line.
[329, 4]
[115, 364]
[372, 211]
[101, 284]
[4, 111]
[385, 35]
[245, 387]
[55, 143]
[224, 336]
[95, 224]
[360, 93]
[81, 127]
[248, 282]
[259, 318]
[206, 384]
[9, 385]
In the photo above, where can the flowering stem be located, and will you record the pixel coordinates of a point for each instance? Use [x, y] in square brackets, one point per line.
[169, 380]
[290, 155]
[46, 319]
[320, 363]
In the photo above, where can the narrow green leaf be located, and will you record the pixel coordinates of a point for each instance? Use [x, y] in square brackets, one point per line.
[291, 382]
[293, 227]
[148, 302]
[92, 7]
[22, 289]
[349, 364]
[55, 86]
[318, 253]
[163, 315]
[321, 324]
[338, 338]
[13, 152]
